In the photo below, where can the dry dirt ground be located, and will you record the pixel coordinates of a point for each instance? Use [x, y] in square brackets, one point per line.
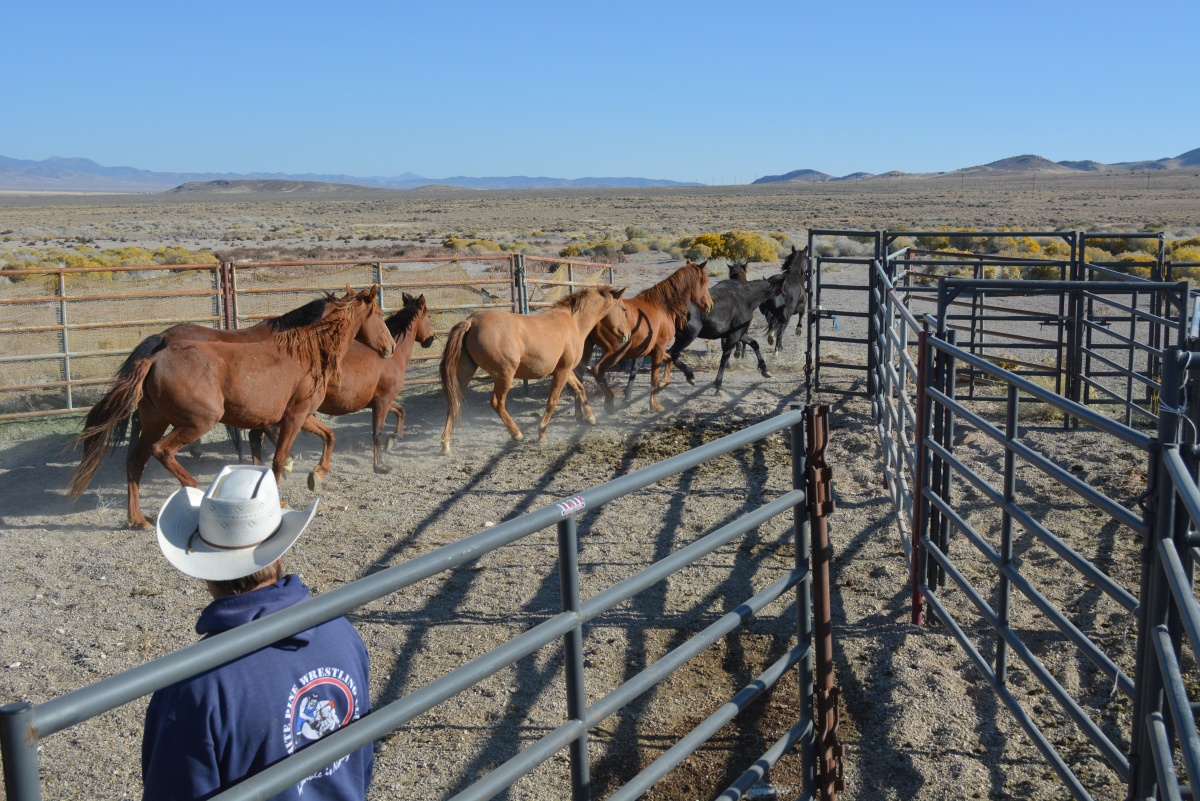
[84, 598]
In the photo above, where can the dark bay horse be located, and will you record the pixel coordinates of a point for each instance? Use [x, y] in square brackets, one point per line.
[367, 381]
[193, 386]
[791, 300]
[509, 346]
[652, 317]
[734, 303]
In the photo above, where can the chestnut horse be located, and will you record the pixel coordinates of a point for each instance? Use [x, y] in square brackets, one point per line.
[652, 317]
[193, 386]
[369, 381]
[509, 346]
[191, 332]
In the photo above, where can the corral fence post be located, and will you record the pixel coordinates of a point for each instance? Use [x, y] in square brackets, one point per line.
[18, 743]
[228, 281]
[378, 273]
[568, 579]
[804, 617]
[917, 566]
[819, 495]
[520, 289]
[65, 340]
[1154, 596]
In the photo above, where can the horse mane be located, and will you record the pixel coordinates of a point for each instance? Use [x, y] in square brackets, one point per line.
[573, 301]
[307, 314]
[400, 322]
[316, 344]
[673, 293]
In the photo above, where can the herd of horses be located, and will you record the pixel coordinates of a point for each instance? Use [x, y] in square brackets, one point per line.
[339, 355]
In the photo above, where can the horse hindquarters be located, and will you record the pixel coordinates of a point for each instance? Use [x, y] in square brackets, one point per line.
[456, 368]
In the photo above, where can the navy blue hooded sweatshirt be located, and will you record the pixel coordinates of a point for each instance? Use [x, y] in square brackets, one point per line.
[209, 732]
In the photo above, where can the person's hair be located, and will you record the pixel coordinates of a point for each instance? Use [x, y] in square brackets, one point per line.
[268, 575]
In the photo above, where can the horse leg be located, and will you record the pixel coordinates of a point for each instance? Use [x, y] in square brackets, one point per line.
[285, 435]
[558, 380]
[501, 385]
[315, 426]
[576, 385]
[762, 363]
[379, 412]
[165, 449]
[152, 429]
[656, 360]
[601, 368]
[683, 338]
[727, 345]
[272, 433]
[398, 410]
[633, 368]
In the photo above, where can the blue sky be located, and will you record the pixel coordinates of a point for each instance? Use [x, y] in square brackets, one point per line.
[691, 91]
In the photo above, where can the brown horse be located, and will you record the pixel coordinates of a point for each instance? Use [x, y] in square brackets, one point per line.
[369, 381]
[193, 386]
[508, 346]
[652, 318]
[191, 332]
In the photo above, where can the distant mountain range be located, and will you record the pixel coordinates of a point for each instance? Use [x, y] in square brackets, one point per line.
[85, 175]
[1027, 163]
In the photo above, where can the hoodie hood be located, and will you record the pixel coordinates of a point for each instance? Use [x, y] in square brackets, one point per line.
[234, 610]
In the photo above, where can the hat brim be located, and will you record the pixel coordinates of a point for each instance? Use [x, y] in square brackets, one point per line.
[179, 519]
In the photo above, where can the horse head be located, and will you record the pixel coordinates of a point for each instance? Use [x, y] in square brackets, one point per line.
[616, 317]
[423, 325]
[738, 271]
[700, 295]
[372, 330]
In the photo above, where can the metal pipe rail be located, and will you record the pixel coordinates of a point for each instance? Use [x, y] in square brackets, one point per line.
[22, 725]
[1165, 716]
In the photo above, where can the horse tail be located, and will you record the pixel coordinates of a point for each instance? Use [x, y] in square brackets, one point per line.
[109, 414]
[451, 356]
[144, 350]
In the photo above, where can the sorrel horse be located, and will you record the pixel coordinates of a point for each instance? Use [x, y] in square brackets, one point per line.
[191, 332]
[652, 317]
[509, 346]
[792, 298]
[369, 381]
[193, 386]
[734, 303]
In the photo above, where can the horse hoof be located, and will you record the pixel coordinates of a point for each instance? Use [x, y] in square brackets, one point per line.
[314, 482]
[387, 442]
[590, 419]
[519, 436]
[691, 381]
[141, 526]
[382, 469]
[766, 373]
[288, 465]
[445, 449]
[657, 407]
[195, 450]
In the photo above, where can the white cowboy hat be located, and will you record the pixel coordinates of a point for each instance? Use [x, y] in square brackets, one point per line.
[234, 529]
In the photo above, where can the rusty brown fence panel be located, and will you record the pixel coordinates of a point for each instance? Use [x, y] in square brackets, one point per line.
[65, 331]
[454, 288]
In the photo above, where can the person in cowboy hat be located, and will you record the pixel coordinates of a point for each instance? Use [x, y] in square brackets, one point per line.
[208, 732]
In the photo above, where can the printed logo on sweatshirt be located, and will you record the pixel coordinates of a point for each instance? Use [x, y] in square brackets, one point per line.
[319, 703]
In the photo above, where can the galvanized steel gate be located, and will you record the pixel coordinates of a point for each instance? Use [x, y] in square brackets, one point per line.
[22, 725]
[1123, 337]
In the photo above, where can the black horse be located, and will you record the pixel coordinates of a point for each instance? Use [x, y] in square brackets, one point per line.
[791, 300]
[734, 303]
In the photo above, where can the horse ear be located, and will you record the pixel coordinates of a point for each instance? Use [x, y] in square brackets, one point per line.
[617, 293]
[421, 300]
[407, 298]
[703, 264]
[374, 293]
